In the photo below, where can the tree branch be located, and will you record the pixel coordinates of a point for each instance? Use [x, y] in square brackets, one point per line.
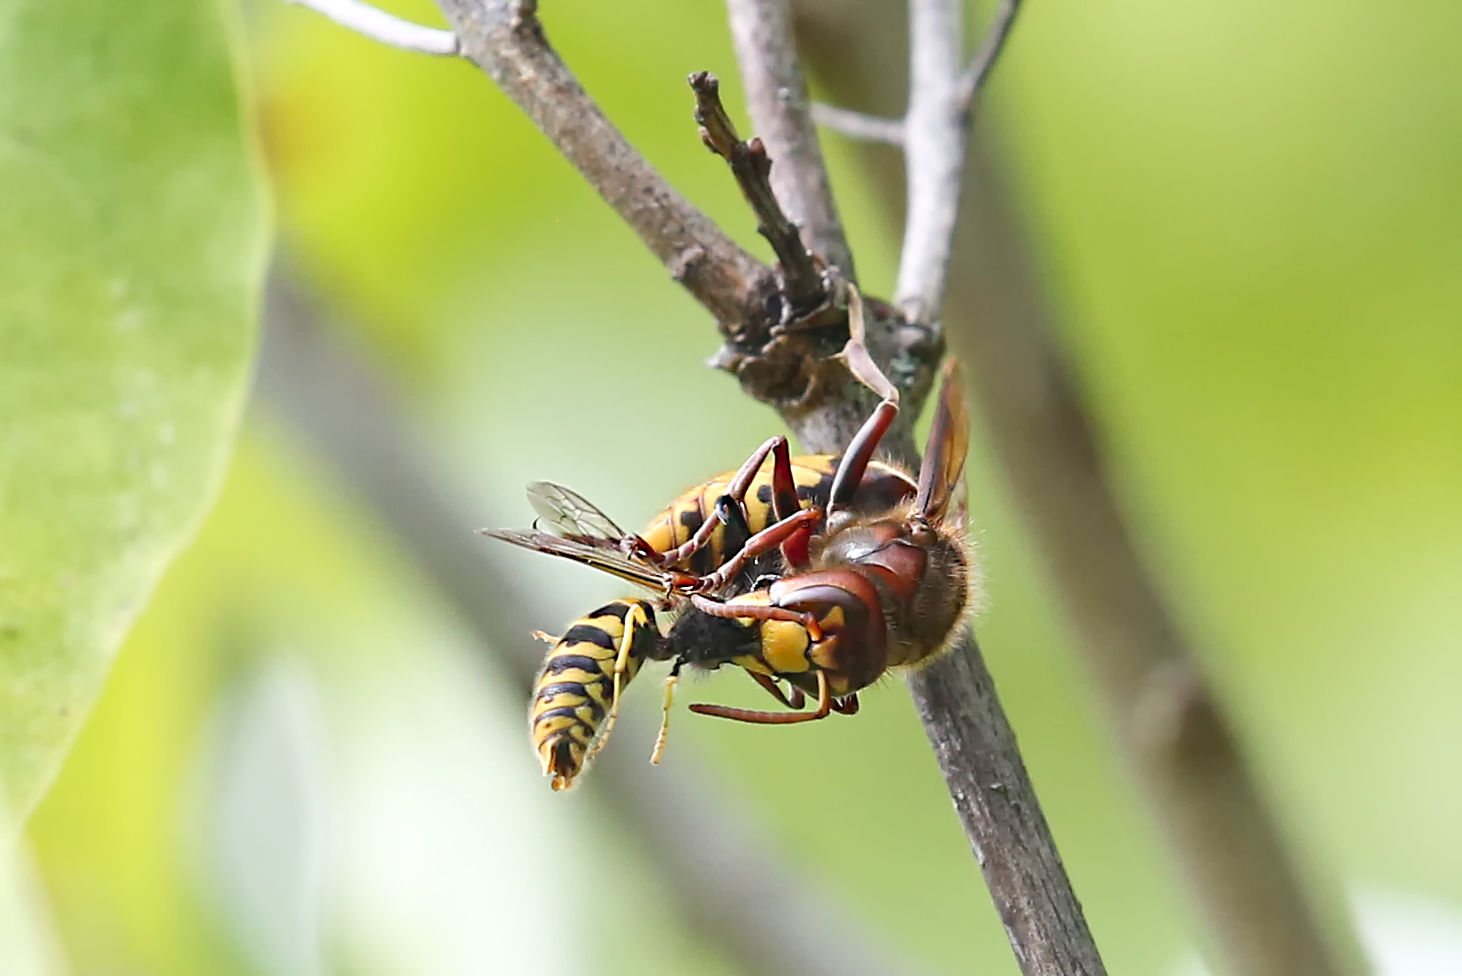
[751, 167]
[858, 125]
[730, 893]
[955, 696]
[776, 96]
[378, 25]
[935, 130]
[984, 60]
[1180, 747]
[507, 41]
[1002, 816]
[790, 369]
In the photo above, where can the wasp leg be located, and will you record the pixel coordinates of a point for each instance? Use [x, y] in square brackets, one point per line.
[795, 701]
[634, 618]
[716, 608]
[670, 680]
[798, 526]
[847, 705]
[824, 709]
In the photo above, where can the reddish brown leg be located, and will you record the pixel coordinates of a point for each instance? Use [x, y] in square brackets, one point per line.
[740, 482]
[794, 702]
[716, 608]
[824, 708]
[860, 451]
[800, 524]
[847, 705]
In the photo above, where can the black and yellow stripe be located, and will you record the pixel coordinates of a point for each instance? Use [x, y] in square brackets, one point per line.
[573, 699]
[882, 487]
[574, 693]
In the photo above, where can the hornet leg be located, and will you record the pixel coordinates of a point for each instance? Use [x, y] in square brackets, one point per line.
[716, 608]
[824, 708]
[784, 498]
[794, 702]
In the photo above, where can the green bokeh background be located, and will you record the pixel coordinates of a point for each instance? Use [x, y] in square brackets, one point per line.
[1250, 220]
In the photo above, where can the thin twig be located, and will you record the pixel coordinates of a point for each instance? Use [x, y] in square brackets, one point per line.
[731, 893]
[984, 60]
[934, 156]
[956, 698]
[385, 28]
[1257, 913]
[751, 167]
[507, 41]
[859, 125]
[776, 96]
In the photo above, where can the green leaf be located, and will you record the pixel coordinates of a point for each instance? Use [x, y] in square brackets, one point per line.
[132, 244]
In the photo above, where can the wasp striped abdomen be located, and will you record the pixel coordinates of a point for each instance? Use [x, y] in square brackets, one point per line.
[881, 487]
[575, 695]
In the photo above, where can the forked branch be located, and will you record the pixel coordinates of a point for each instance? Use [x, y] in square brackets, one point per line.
[984, 60]
[752, 169]
[956, 698]
[776, 96]
[506, 40]
[789, 366]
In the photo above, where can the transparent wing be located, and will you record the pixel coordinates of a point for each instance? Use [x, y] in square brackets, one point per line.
[567, 513]
[949, 440]
[602, 558]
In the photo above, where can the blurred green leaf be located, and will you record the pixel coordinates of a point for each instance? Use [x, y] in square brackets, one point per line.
[134, 235]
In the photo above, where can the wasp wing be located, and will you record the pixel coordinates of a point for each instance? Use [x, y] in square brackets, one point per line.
[949, 441]
[569, 514]
[604, 559]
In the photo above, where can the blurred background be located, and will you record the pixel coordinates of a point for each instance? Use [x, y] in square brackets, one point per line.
[1250, 219]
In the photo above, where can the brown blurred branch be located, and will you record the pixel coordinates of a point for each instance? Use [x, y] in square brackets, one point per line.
[1251, 900]
[763, 918]
[507, 41]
